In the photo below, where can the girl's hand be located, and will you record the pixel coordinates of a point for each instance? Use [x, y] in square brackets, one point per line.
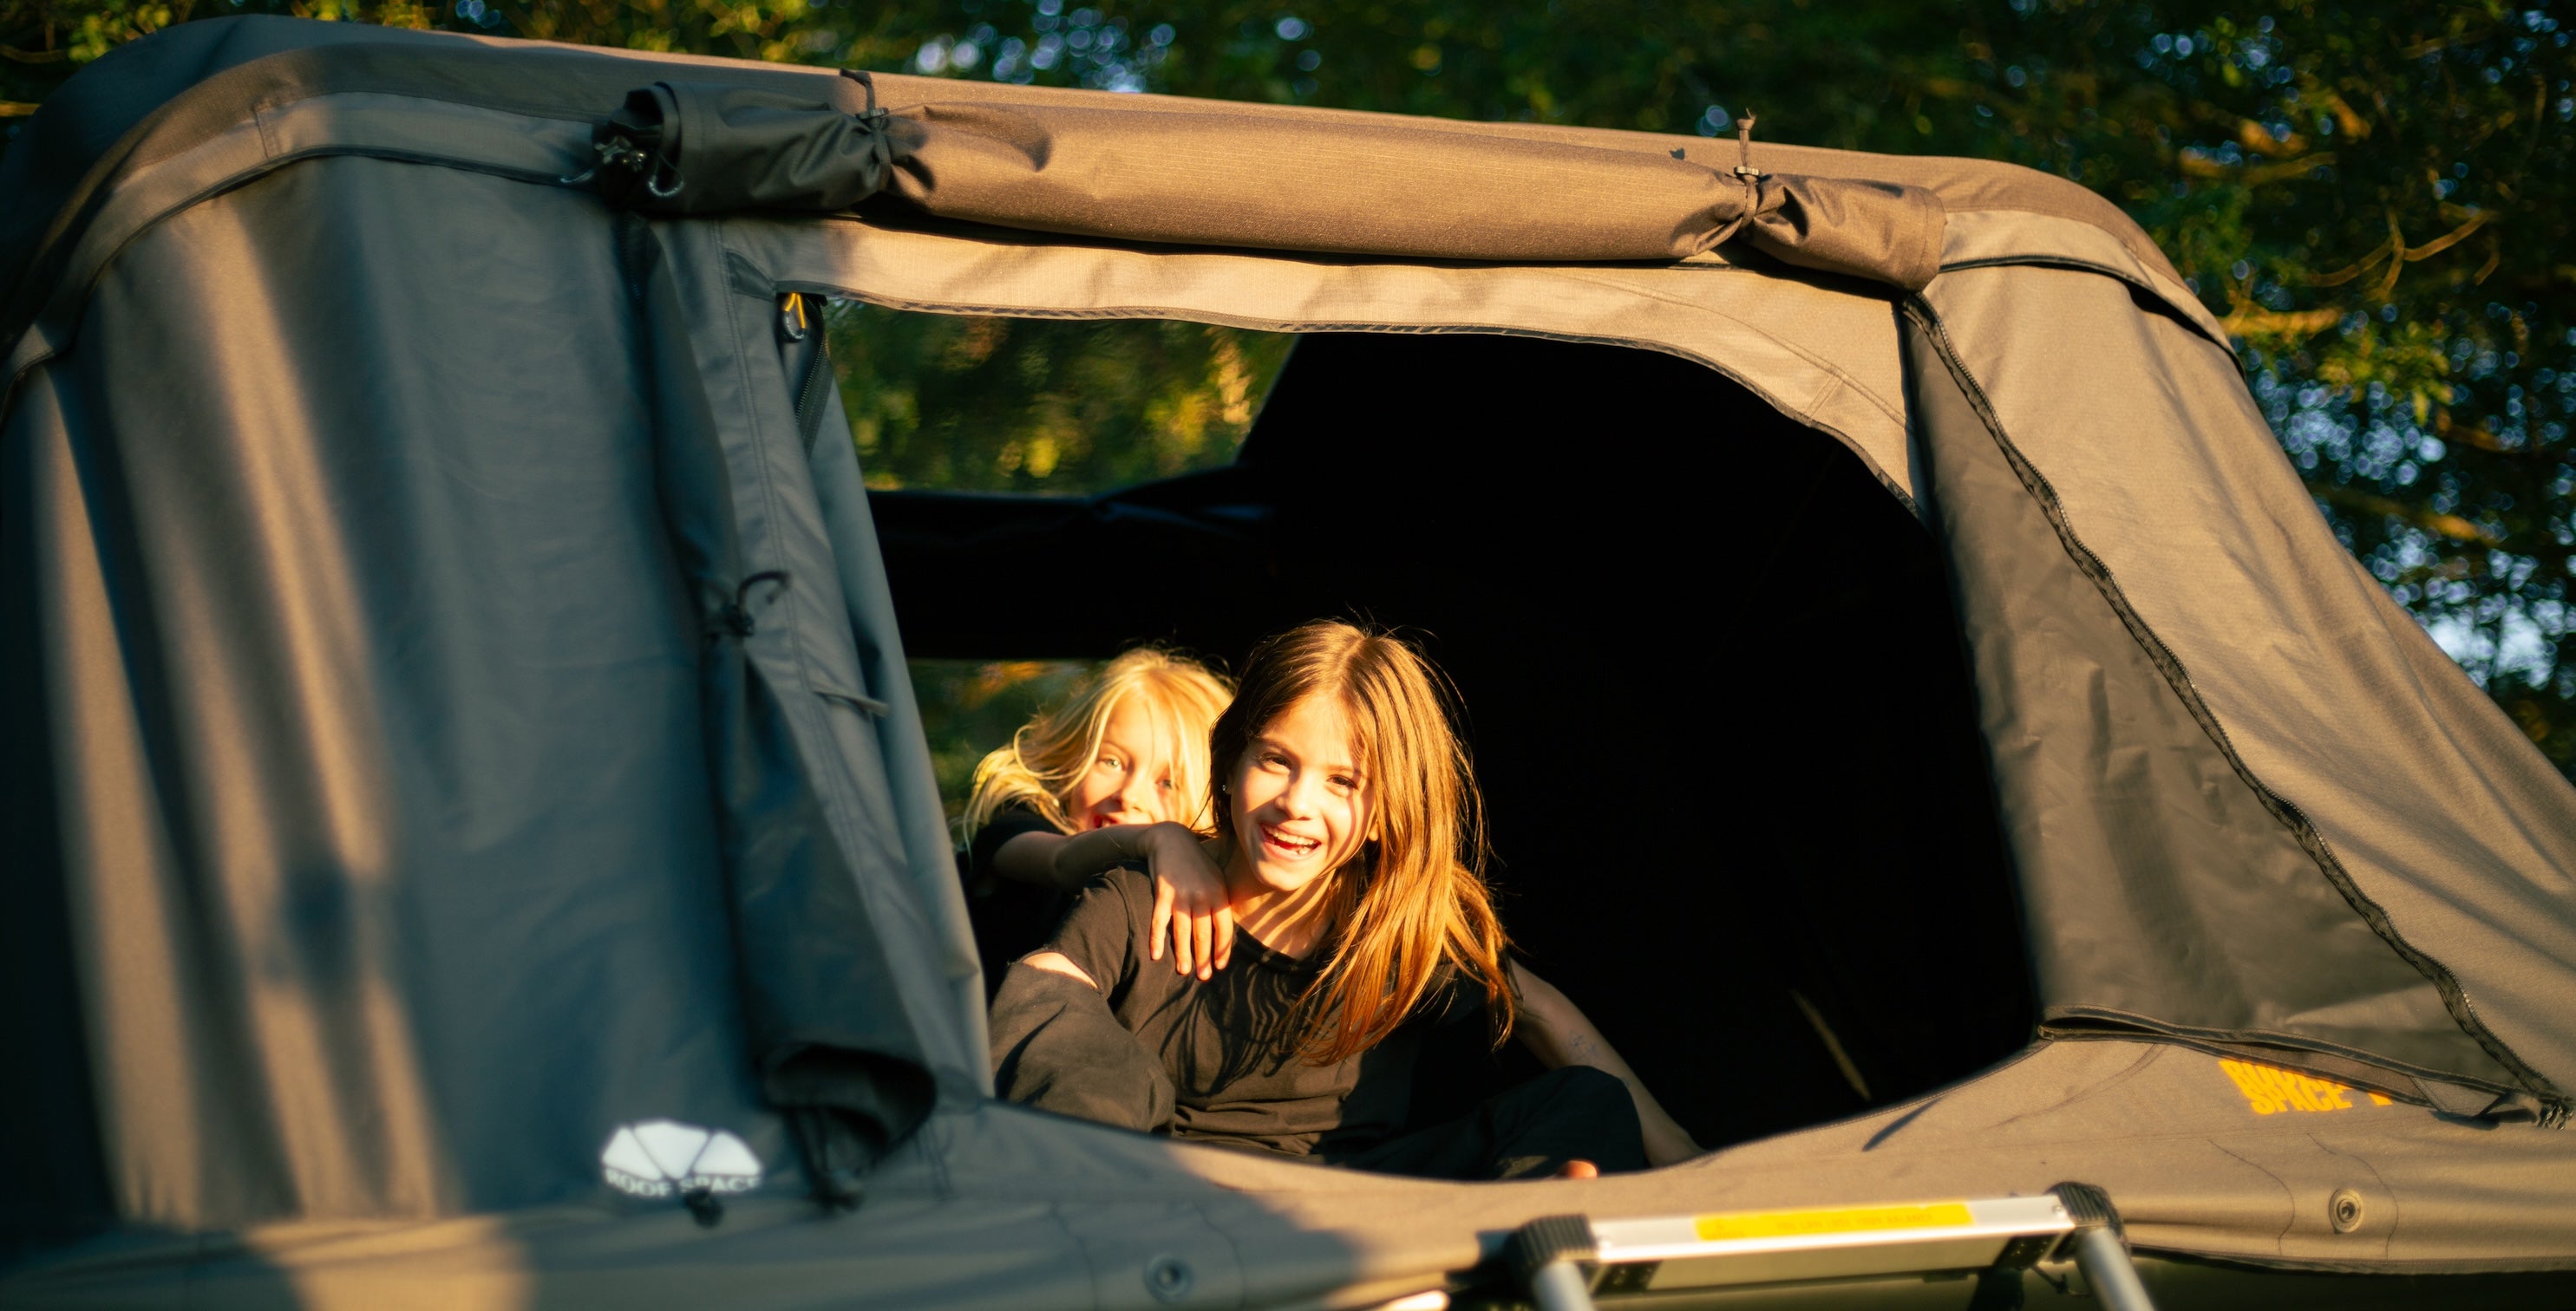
[1190, 905]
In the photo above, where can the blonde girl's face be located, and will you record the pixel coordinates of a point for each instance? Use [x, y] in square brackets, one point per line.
[1300, 805]
[1129, 780]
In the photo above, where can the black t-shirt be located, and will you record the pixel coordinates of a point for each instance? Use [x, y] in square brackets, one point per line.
[1010, 919]
[1227, 1045]
[1007, 823]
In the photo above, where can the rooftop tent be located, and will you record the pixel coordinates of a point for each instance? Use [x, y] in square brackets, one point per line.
[477, 840]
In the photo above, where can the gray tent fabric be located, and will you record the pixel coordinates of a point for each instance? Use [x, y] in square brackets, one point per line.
[1217, 179]
[2289, 960]
[803, 939]
[997, 1206]
[261, 789]
[381, 828]
[2168, 476]
[464, 745]
[1959, 186]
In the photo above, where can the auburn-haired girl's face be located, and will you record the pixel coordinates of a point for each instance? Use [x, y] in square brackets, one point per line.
[1301, 806]
[1129, 780]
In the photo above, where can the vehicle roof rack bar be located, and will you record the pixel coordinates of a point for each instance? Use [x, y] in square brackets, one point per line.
[1572, 1262]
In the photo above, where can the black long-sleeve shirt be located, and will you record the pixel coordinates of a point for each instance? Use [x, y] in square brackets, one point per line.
[1216, 1061]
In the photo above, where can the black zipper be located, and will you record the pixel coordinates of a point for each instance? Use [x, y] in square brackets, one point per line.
[800, 320]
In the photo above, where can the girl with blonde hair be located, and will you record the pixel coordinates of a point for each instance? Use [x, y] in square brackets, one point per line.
[1350, 843]
[1116, 774]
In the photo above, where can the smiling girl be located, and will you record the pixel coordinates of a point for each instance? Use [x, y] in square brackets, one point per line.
[1351, 849]
[1117, 774]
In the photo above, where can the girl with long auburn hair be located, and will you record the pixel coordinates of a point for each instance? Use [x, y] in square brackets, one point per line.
[1351, 845]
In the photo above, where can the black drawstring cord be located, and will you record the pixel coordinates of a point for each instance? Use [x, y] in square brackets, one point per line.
[637, 150]
[880, 145]
[735, 618]
[618, 154]
[700, 1197]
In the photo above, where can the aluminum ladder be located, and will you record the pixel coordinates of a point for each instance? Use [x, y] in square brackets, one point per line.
[1566, 1262]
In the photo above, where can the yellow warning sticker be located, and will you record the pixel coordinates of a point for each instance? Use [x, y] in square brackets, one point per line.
[2270, 1091]
[1833, 1220]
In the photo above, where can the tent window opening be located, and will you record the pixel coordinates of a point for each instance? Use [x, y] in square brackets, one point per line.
[1712, 679]
[1046, 407]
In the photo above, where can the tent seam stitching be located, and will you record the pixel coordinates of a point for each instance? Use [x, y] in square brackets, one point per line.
[1081, 1250]
[2288, 1194]
[2231, 1043]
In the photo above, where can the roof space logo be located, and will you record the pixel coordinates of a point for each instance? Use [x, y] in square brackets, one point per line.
[665, 1158]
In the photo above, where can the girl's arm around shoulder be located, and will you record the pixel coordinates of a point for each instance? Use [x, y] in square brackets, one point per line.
[1190, 909]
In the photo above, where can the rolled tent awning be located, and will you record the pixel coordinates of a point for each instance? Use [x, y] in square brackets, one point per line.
[1210, 178]
[1410, 191]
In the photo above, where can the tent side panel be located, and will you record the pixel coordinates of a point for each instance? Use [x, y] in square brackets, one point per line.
[2435, 804]
[386, 825]
[2161, 895]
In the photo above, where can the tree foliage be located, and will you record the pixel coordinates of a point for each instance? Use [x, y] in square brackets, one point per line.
[2373, 195]
[969, 707]
[1041, 405]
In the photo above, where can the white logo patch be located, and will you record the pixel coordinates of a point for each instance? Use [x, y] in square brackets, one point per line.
[663, 1158]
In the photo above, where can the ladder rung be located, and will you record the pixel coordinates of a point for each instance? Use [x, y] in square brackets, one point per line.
[1844, 1242]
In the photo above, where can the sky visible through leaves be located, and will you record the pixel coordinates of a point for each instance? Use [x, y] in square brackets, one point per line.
[2374, 197]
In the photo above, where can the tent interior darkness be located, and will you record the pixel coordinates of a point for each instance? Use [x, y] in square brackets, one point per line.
[1714, 686]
